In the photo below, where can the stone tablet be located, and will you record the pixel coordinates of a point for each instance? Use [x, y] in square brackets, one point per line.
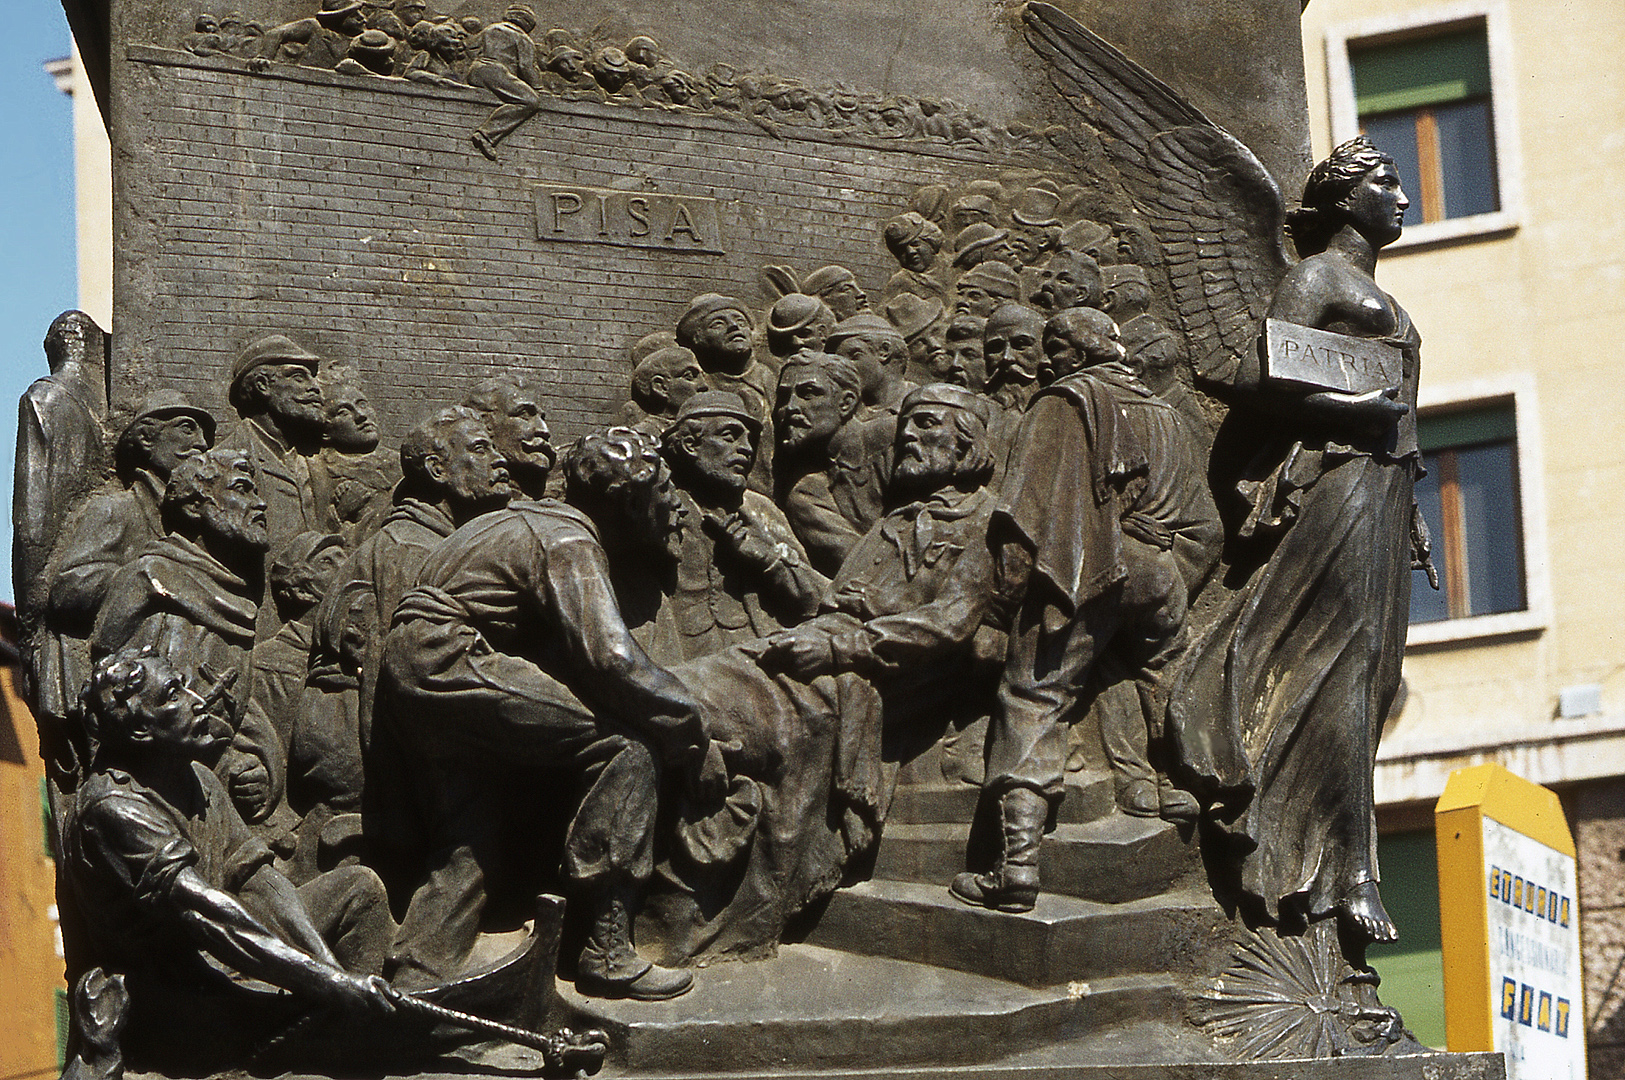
[1327, 361]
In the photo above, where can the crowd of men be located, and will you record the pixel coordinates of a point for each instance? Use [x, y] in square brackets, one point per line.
[291, 654]
[518, 64]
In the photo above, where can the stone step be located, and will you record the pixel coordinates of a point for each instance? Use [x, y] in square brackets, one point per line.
[1061, 940]
[1111, 860]
[1088, 798]
[1085, 1061]
[811, 1008]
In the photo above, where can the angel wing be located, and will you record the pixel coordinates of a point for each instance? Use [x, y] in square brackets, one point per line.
[1210, 202]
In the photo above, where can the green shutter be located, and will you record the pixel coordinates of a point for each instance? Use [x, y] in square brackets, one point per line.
[1426, 71]
[1412, 969]
[64, 1022]
[1473, 427]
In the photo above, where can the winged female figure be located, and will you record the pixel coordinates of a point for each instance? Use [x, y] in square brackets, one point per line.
[1277, 711]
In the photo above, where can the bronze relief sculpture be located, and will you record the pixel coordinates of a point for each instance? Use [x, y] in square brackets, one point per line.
[881, 671]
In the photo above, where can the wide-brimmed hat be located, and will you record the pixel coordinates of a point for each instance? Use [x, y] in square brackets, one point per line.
[913, 315]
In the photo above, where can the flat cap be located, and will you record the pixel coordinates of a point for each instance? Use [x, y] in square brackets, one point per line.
[272, 349]
[955, 397]
[701, 308]
[863, 324]
[717, 403]
[163, 404]
[994, 278]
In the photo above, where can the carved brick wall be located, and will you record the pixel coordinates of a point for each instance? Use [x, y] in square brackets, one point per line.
[356, 217]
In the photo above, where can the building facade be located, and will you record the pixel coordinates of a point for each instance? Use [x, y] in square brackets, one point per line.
[1507, 120]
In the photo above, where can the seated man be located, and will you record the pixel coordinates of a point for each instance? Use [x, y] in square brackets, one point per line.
[741, 573]
[511, 655]
[800, 711]
[180, 896]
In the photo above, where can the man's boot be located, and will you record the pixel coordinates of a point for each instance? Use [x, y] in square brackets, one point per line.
[611, 968]
[1012, 885]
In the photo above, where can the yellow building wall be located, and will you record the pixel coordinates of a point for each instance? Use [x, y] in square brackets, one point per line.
[30, 969]
[1546, 302]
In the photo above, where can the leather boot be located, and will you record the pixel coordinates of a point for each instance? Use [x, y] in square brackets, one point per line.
[611, 968]
[1012, 885]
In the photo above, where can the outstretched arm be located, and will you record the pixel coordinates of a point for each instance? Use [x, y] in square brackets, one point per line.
[224, 927]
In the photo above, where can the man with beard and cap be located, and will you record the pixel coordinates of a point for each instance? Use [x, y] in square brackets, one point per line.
[798, 321]
[717, 330]
[1069, 279]
[822, 476]
[979, 291]
[107, 533]
[511, 406]
[507, 68]
[1099, 528]
[661, 382]
[740, 573]
[838, 287]
[283, 422]
[194, 593]
[914, 242]
[352, 474]
[511, 652]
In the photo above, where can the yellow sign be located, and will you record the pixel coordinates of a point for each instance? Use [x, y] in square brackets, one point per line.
[1509, 916]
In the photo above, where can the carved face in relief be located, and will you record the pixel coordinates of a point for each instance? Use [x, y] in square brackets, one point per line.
[351, 422]
[1077, 339]
[678, 385]
[292, 396]
[1376, 206]
[519, 429]
[845, 297]
[1068, 280]
[872, 355]
[1030, 245]
[972, 299]
[164, 716]
[655, 511]
[1013, 345]
[811, 408]
[411, 12]
[726, 334]
[679, 87]
[644, 51]
[916, 254]
[927, 447]
[447, 42]
[233, 511]
[926, 352]
[471, 468]
[962, 363]
[173, 439]
[718, 452]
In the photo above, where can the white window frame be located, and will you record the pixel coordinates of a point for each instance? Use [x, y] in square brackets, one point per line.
[1537, 613]
[1503, 106]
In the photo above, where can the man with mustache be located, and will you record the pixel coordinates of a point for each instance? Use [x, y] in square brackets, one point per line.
[511, 406]
[822, 472]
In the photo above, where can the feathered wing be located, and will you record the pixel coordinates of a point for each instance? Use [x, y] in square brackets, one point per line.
[1210, 202]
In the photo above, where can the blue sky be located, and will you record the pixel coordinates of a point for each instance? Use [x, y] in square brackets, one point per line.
[38, 280]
